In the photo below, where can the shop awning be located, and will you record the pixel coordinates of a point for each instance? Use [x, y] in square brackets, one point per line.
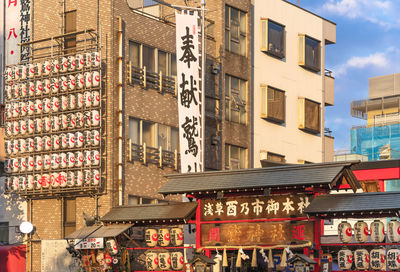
[153, 213]
[99, 231]
[329, 175]
[338, 205]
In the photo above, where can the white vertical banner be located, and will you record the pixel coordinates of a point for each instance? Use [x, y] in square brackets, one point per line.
[189, 98]
[12, 30]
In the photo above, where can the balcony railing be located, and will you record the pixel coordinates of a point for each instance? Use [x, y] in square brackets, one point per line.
[158, 156]
[147, 79]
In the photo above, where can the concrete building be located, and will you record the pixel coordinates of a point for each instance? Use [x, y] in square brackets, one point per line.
[291, 85]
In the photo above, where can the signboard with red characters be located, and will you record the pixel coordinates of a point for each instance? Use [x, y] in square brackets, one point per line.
[89, 243]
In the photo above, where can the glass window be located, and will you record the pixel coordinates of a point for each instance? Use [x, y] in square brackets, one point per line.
[133, 200]
[174, 139]
[235, 157]
[4, 233]
[148, 134]
[235, 99]
[162, 62]
[163, 138]
[235, 30]
[134, 54]
[272, 104]
[148, 58]
[276, 34]
[312, 115]
[69, 216]
[312, 53]
[173, 64]
[70, 26]
[134, 130]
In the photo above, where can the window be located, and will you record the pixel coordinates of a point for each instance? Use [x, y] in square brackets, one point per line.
[235, 30]
[138, 200]
[272, 104]
[141, 55]
[235, 157]
[273, 38]
[153, 134]
[235, 99]
[69, 216]
[70, 26]
[309, 116]
[309, 53]
[274, 157]
[4, 230]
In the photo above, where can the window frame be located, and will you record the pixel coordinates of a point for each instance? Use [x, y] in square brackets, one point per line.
[5, 229]
[265, 42]
[233, 99]
[155, 134]
[70, 42]
[303, 125]
[265, 104]
[303, 53]
[228, 157]
[242, 35]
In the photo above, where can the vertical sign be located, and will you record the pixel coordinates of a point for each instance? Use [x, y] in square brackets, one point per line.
[17, 29]
[189, 103]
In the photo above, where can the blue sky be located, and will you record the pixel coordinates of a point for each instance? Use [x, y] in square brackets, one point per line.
[367, 45]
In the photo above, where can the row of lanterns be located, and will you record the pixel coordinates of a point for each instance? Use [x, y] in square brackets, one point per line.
[362, 232]
[78, 139]
[164, 237]
[86, 158]
[54, 180]
[53, 124]
[376, 259]
[53, 105]
[53, 85]
[164, 261]
[53, 66]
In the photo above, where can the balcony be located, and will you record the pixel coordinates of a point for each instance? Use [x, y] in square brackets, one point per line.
[329, 87]
[150, 155]
[147, 79]
[329, 147]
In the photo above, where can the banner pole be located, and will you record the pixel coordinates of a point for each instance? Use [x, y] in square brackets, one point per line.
[203, 84]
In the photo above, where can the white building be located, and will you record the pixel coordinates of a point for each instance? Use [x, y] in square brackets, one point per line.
[291, 85]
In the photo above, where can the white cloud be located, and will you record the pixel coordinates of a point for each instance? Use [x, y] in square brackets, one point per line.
[381, 12]
[376, 60]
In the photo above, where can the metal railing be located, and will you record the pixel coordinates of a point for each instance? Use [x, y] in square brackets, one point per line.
[147, 79]
[151, 155]
[328, 73]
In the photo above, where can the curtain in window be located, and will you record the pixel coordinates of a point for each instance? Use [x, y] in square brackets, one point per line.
[134, 130]
[148, 58]
[162, 62]
[134, 54]
[312, 53]
[312, 115]
[276, 104]
[148, 134]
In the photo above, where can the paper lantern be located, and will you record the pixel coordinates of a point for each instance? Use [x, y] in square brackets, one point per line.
[378, 259]
[95, 177]
[23, 127]
[79, 62]
[23, 111]
[30, 163]
[63, 160]
[100, 258]
[95, 59]
[164, 259]
[151, 237]
[64, 103]
[345, 232]
[393, 259]
[63, 83]
[62, 179]
[31, 89]
[30, 183]
[345, 259]
[393, 231]
[70, 159]
[22, 164]
[46, 67]
[95, 156]
[55, 66]
[38, 163]
[47, 142]
[95, 79]
[152, 261]
[361, 231]
[163, 237]
[45, 180]
[377, 231]
[47, 124]
[54, 85]
[78, 178]
[23, 90]
[111, 246]
[176, 236]
[64, 65]
[39, 87]
[70, 179]
[361, 259]
[46, 162]
[71, 63]
[177, 260]
[78, 158]
[22, 182]
[87, 177]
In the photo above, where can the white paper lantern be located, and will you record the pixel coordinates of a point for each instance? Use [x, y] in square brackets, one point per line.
[111, 246]
[394, 231]
[152, 261]
[361, 259]
[46, 162]
[63, 160]
[30, 184]
[63, 84]
[361, 231]
[46, 86]
[54, 85]
[46, 67]
[164, 259]
[78, 158]
[23, 90]
[39, 87]
[45, 180]
[164, 237]
[30, 163]
[70, 179]
[79, 62]
[345, 232]
[377, 231]
[71, 63]
[177, 260]
[87, 59]
[151, 237]
[95, 177]
[55, 66]
[96, 79]
[78, 178]
[378, 259]
[64, 65]
[345, 259]
[23, 111]
[96, 59]
[176, 236]
[393, 259]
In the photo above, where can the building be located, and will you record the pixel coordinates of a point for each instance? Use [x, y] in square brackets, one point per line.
[291, 85]
[138, 130]
[379, 138]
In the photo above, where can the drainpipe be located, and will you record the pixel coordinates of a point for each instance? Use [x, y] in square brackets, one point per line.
[120, 117]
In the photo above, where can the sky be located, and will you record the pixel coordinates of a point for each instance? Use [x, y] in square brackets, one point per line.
[367, 45]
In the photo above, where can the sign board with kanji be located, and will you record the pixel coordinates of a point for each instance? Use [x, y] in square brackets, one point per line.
[89, 243]
[283, 206]
[261, 233]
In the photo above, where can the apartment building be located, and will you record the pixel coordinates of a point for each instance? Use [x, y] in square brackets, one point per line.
[291, 84]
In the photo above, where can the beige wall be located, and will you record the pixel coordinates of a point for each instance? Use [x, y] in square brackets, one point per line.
[287, 75]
